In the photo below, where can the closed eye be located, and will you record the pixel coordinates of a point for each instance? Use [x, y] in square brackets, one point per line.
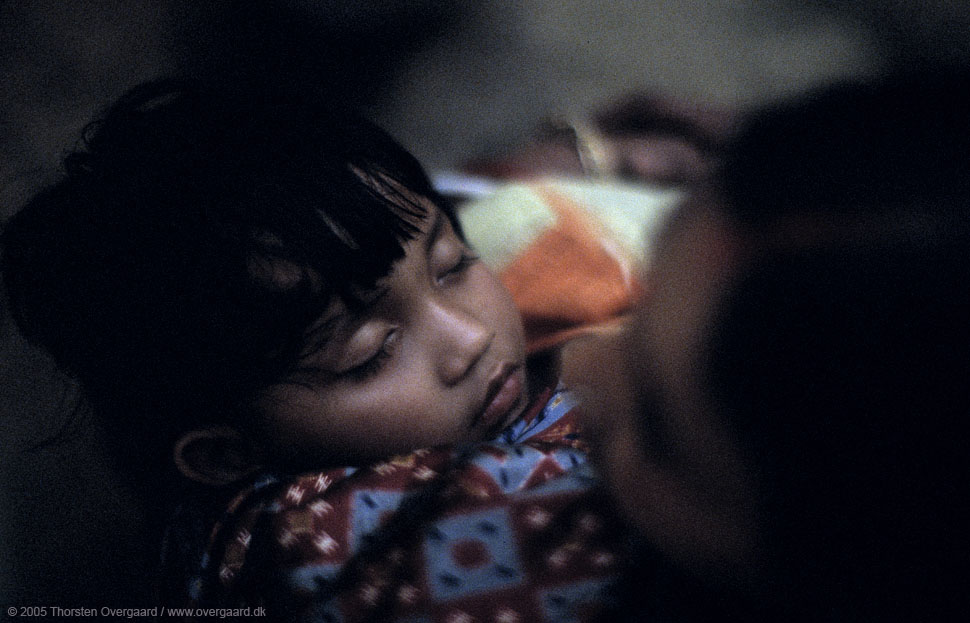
[376, 362]
[465, 260]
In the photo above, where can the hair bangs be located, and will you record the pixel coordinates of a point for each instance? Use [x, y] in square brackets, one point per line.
[337, 241]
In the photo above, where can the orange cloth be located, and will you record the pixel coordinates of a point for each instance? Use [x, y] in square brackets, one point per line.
[569, 278]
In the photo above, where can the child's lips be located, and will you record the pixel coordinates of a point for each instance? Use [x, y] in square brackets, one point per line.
[505, 391]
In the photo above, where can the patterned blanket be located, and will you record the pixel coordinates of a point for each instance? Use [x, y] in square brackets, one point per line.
[511, 531]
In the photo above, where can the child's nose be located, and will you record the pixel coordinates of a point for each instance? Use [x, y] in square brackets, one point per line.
[459, 341]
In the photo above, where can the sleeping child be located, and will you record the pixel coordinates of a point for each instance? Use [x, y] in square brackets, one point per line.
[294, 347]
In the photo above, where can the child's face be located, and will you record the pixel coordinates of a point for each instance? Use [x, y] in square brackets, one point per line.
[437, 356]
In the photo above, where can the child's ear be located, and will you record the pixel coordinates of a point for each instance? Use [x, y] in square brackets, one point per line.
[216, 455]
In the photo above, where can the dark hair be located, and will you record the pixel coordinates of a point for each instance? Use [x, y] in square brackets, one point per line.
[198, 232]
[841, 363]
